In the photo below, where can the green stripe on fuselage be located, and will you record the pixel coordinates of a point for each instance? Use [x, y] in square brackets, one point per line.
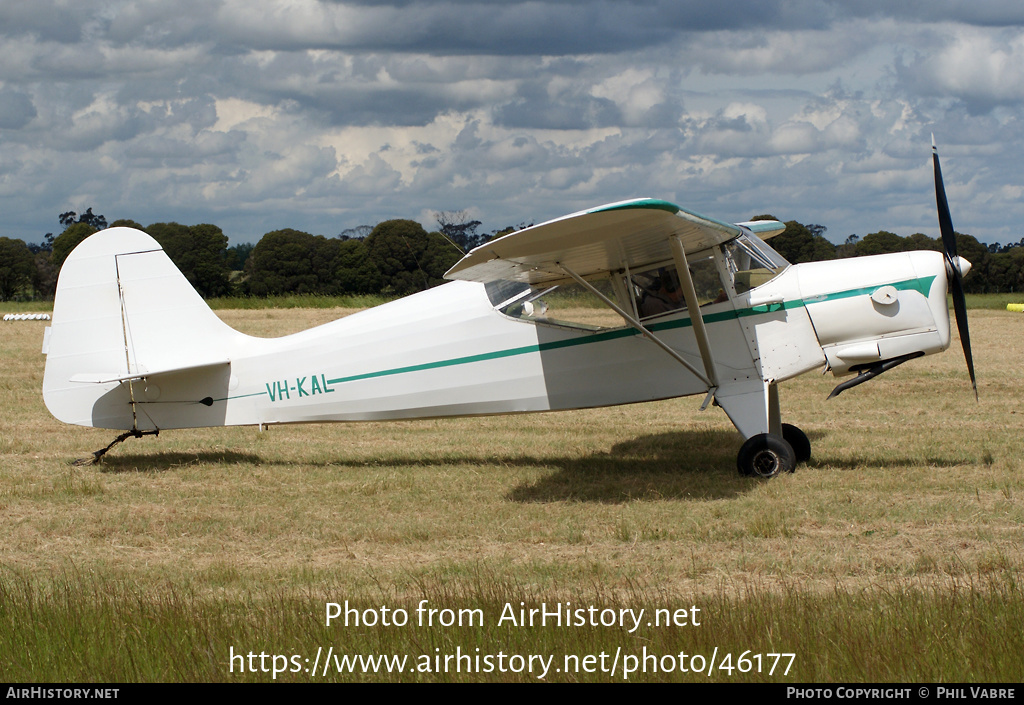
[922, 285]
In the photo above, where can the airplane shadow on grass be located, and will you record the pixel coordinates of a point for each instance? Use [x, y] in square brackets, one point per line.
[692, 466]
[680, 465]
[687, 465]
[170, 460]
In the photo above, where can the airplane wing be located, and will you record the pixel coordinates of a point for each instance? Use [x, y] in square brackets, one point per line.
[608, 238]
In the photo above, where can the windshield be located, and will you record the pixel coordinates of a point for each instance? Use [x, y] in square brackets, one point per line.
[751, 262]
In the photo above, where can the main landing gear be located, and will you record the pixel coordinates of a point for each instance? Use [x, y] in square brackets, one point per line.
[766, 454]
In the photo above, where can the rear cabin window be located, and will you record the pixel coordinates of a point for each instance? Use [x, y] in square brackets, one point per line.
[567, 305]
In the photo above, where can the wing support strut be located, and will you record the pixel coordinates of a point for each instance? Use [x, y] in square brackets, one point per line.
[690, 296]
[629, 318]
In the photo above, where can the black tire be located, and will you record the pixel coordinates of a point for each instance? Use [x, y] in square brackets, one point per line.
[798, 439]
[765, 456]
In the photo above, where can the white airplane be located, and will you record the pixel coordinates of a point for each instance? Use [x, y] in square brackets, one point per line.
[695, 307]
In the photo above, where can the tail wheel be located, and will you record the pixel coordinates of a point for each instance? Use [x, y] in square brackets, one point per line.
[765, 456]
[798, 439]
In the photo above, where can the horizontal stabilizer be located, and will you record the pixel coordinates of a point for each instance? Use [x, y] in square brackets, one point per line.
[105, 377]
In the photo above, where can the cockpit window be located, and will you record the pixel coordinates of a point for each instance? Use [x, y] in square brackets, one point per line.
[751, 262]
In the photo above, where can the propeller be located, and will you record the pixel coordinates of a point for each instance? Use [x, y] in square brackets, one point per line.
[956, 286]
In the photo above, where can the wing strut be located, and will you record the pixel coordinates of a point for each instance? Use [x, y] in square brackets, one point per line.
[690, 295]
[629, 318]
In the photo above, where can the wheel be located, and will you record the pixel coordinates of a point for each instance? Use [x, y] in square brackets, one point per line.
[765, 455]
[798, 439]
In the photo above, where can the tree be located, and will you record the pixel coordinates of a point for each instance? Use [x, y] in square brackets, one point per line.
[1002, 272]
[438, 257]
[282, 263]
[495, 234]
[170, 233]
[294, 262]
[407, 257]
[17, 268]
[357, 233]
[849, 247]
[74, 232]
[920, 241]
[880, 243]
[45, 279]
[976, 281]
[354, 273]
[199, 251]
[456, 226]
[67, 241]
[803, 243]
[816, 230]
[322, 255]
[46, 246]
[237, 255]
[67, 219]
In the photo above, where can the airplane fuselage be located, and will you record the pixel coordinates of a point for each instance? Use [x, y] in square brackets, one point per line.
[449, 351]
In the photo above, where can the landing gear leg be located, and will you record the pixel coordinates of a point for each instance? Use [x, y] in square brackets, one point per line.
[793, 435]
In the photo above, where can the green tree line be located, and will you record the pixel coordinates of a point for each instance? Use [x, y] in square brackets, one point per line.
[995, 268]
[395, 258]
[399, 257]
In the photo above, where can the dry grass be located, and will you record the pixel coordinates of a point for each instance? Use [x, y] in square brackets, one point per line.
[912, 484]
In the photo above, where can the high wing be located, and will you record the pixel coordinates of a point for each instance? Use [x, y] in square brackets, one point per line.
[629, 234]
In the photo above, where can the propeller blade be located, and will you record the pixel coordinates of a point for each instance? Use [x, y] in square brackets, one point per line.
[945, 221]
[956, 287]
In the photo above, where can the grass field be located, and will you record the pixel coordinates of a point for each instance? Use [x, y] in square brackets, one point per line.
[894, 555]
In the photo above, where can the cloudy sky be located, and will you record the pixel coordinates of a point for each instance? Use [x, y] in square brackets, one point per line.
[324, 115]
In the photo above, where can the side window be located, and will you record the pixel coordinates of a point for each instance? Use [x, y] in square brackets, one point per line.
[565, 305]
[707, 281]
[503, 292]
[658, 290]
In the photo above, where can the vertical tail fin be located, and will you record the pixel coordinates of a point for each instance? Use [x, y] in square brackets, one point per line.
[123, 315]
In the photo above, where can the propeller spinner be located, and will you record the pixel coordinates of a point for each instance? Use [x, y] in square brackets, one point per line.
[953, 267]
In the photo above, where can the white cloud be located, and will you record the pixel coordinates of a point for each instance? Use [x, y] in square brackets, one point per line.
[980, 67]
[783, 51]
[321, 116]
